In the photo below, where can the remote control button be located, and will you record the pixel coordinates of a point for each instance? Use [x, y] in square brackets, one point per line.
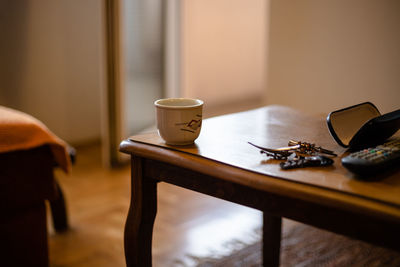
[375, 159]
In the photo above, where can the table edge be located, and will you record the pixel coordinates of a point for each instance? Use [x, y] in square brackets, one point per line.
[276, 185]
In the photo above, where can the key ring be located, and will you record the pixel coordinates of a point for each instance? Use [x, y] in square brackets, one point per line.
[309, 148]
[300, 148]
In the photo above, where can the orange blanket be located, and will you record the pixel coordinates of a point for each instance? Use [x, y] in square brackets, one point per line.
[20, 131]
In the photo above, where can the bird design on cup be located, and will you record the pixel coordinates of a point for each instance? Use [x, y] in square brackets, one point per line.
[191, 126]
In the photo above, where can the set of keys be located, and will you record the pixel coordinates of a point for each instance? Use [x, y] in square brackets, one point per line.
[299, 155]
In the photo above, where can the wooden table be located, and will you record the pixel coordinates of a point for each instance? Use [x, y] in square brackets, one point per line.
[222, 164]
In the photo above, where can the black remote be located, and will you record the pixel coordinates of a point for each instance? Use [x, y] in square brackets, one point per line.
[375, 159]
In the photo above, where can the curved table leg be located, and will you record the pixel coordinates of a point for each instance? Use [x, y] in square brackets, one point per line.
[142, 211]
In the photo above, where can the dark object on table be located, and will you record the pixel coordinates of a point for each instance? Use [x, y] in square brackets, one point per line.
[302, 162]
[374, 160]
[362, 126]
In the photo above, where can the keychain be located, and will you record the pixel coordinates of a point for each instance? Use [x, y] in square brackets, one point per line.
[310, 161]
[298, 155]
[309, 148]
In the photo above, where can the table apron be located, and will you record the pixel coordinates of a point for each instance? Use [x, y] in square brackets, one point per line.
[356, 225]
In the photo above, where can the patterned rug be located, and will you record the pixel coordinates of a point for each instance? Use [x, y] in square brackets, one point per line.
[303, 245]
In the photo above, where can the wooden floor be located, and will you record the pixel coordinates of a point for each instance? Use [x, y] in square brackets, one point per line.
[187, 225]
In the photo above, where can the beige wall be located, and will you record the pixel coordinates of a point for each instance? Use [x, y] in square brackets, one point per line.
[223, 49]
[330, 54]
[51, 63]
[323, 55]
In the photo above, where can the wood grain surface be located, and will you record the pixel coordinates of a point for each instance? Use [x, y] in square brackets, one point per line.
[224, 140]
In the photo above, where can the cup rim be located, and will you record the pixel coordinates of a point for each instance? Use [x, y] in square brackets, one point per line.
[159, 103]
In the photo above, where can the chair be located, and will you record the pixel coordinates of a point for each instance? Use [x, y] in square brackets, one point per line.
[26, 183]
[57, 205]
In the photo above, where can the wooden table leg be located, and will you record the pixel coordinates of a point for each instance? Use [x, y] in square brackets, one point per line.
[272, 226]
[142, 211]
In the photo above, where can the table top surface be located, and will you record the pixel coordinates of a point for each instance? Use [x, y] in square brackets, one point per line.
[222, 150]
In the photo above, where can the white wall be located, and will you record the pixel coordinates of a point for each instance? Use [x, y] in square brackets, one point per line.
[223, 49]
[330, 54]
[51, 56]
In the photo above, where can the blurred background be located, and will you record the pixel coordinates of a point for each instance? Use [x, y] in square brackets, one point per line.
[91, 70]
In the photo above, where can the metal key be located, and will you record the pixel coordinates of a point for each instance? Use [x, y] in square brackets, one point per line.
[309, 148]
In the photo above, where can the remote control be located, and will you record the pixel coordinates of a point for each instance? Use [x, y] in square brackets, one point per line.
[375, 159]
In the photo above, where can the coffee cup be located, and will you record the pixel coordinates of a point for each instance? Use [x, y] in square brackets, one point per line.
[179, 119]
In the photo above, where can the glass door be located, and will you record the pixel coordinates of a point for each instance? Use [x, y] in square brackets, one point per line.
[134, 65]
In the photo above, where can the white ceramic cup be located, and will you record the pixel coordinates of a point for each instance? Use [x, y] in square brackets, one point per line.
[179, 119]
